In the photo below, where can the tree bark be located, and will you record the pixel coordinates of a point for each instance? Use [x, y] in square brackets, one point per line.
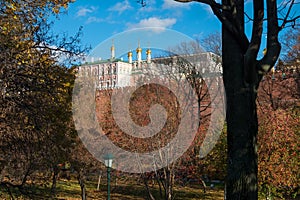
[81, 181]
[145, 180]
[242, 125]
[242, 73]
[168, 183]
[54, 180]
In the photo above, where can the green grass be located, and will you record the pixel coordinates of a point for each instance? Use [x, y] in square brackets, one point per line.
[70, 190]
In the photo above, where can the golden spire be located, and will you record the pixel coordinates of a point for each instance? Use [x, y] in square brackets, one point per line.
[148, 51]
[112, 50]
[139, 49]
[112, 45]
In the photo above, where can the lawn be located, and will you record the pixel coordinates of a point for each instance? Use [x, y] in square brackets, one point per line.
[131, 191]
[70, 190]
[124, 190]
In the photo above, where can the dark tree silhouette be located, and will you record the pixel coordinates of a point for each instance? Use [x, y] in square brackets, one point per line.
[243, 72]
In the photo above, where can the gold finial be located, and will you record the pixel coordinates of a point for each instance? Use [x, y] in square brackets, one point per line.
[148, 51]
[139, 49]
[112, 45]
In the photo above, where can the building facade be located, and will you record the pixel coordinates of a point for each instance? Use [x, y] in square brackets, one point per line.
[117, 73]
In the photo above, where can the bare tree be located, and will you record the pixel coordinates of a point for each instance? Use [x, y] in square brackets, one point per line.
[291, 46]
[243, 71]
[187, 48]
[185, 66]
[213, 43]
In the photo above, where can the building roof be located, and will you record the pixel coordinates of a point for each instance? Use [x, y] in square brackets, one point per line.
[104, 61]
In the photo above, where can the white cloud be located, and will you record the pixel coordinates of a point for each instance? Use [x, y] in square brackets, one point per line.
[94, 19]
[121, 7]
[170, 4]
[84, 11]
[157, 25]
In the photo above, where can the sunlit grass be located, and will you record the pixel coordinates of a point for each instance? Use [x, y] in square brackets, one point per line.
[124, 190]
[70, 190]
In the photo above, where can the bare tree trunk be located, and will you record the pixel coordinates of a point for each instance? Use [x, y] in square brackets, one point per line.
[241, 182]
[159, 182]
[145, 180]
[168, 183]
[99, 181]
[203, 185]
[54, 180]
[81, 181]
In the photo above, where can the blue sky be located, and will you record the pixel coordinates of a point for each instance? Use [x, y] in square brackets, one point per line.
[104, 20]
[101, 20]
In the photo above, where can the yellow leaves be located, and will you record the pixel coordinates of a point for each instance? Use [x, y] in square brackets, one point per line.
[12, 6]
[55, 10]
[65, 6]
[59, 5]
[4, 30]
[68, 84]
[44, 57]
[22, 62]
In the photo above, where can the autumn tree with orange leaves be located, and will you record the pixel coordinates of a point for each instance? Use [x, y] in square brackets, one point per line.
[278, 136]
[36, 130]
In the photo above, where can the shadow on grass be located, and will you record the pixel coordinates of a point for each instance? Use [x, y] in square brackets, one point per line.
[27, 192]
[186, 193]
[70, 190]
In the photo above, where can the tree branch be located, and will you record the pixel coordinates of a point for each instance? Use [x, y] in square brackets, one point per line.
[287, 14]
[252, 51]
[287, 21]
[273, 45]
[219, 10]
[248, 17]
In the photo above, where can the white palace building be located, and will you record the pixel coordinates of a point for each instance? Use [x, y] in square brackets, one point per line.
[117, 73]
